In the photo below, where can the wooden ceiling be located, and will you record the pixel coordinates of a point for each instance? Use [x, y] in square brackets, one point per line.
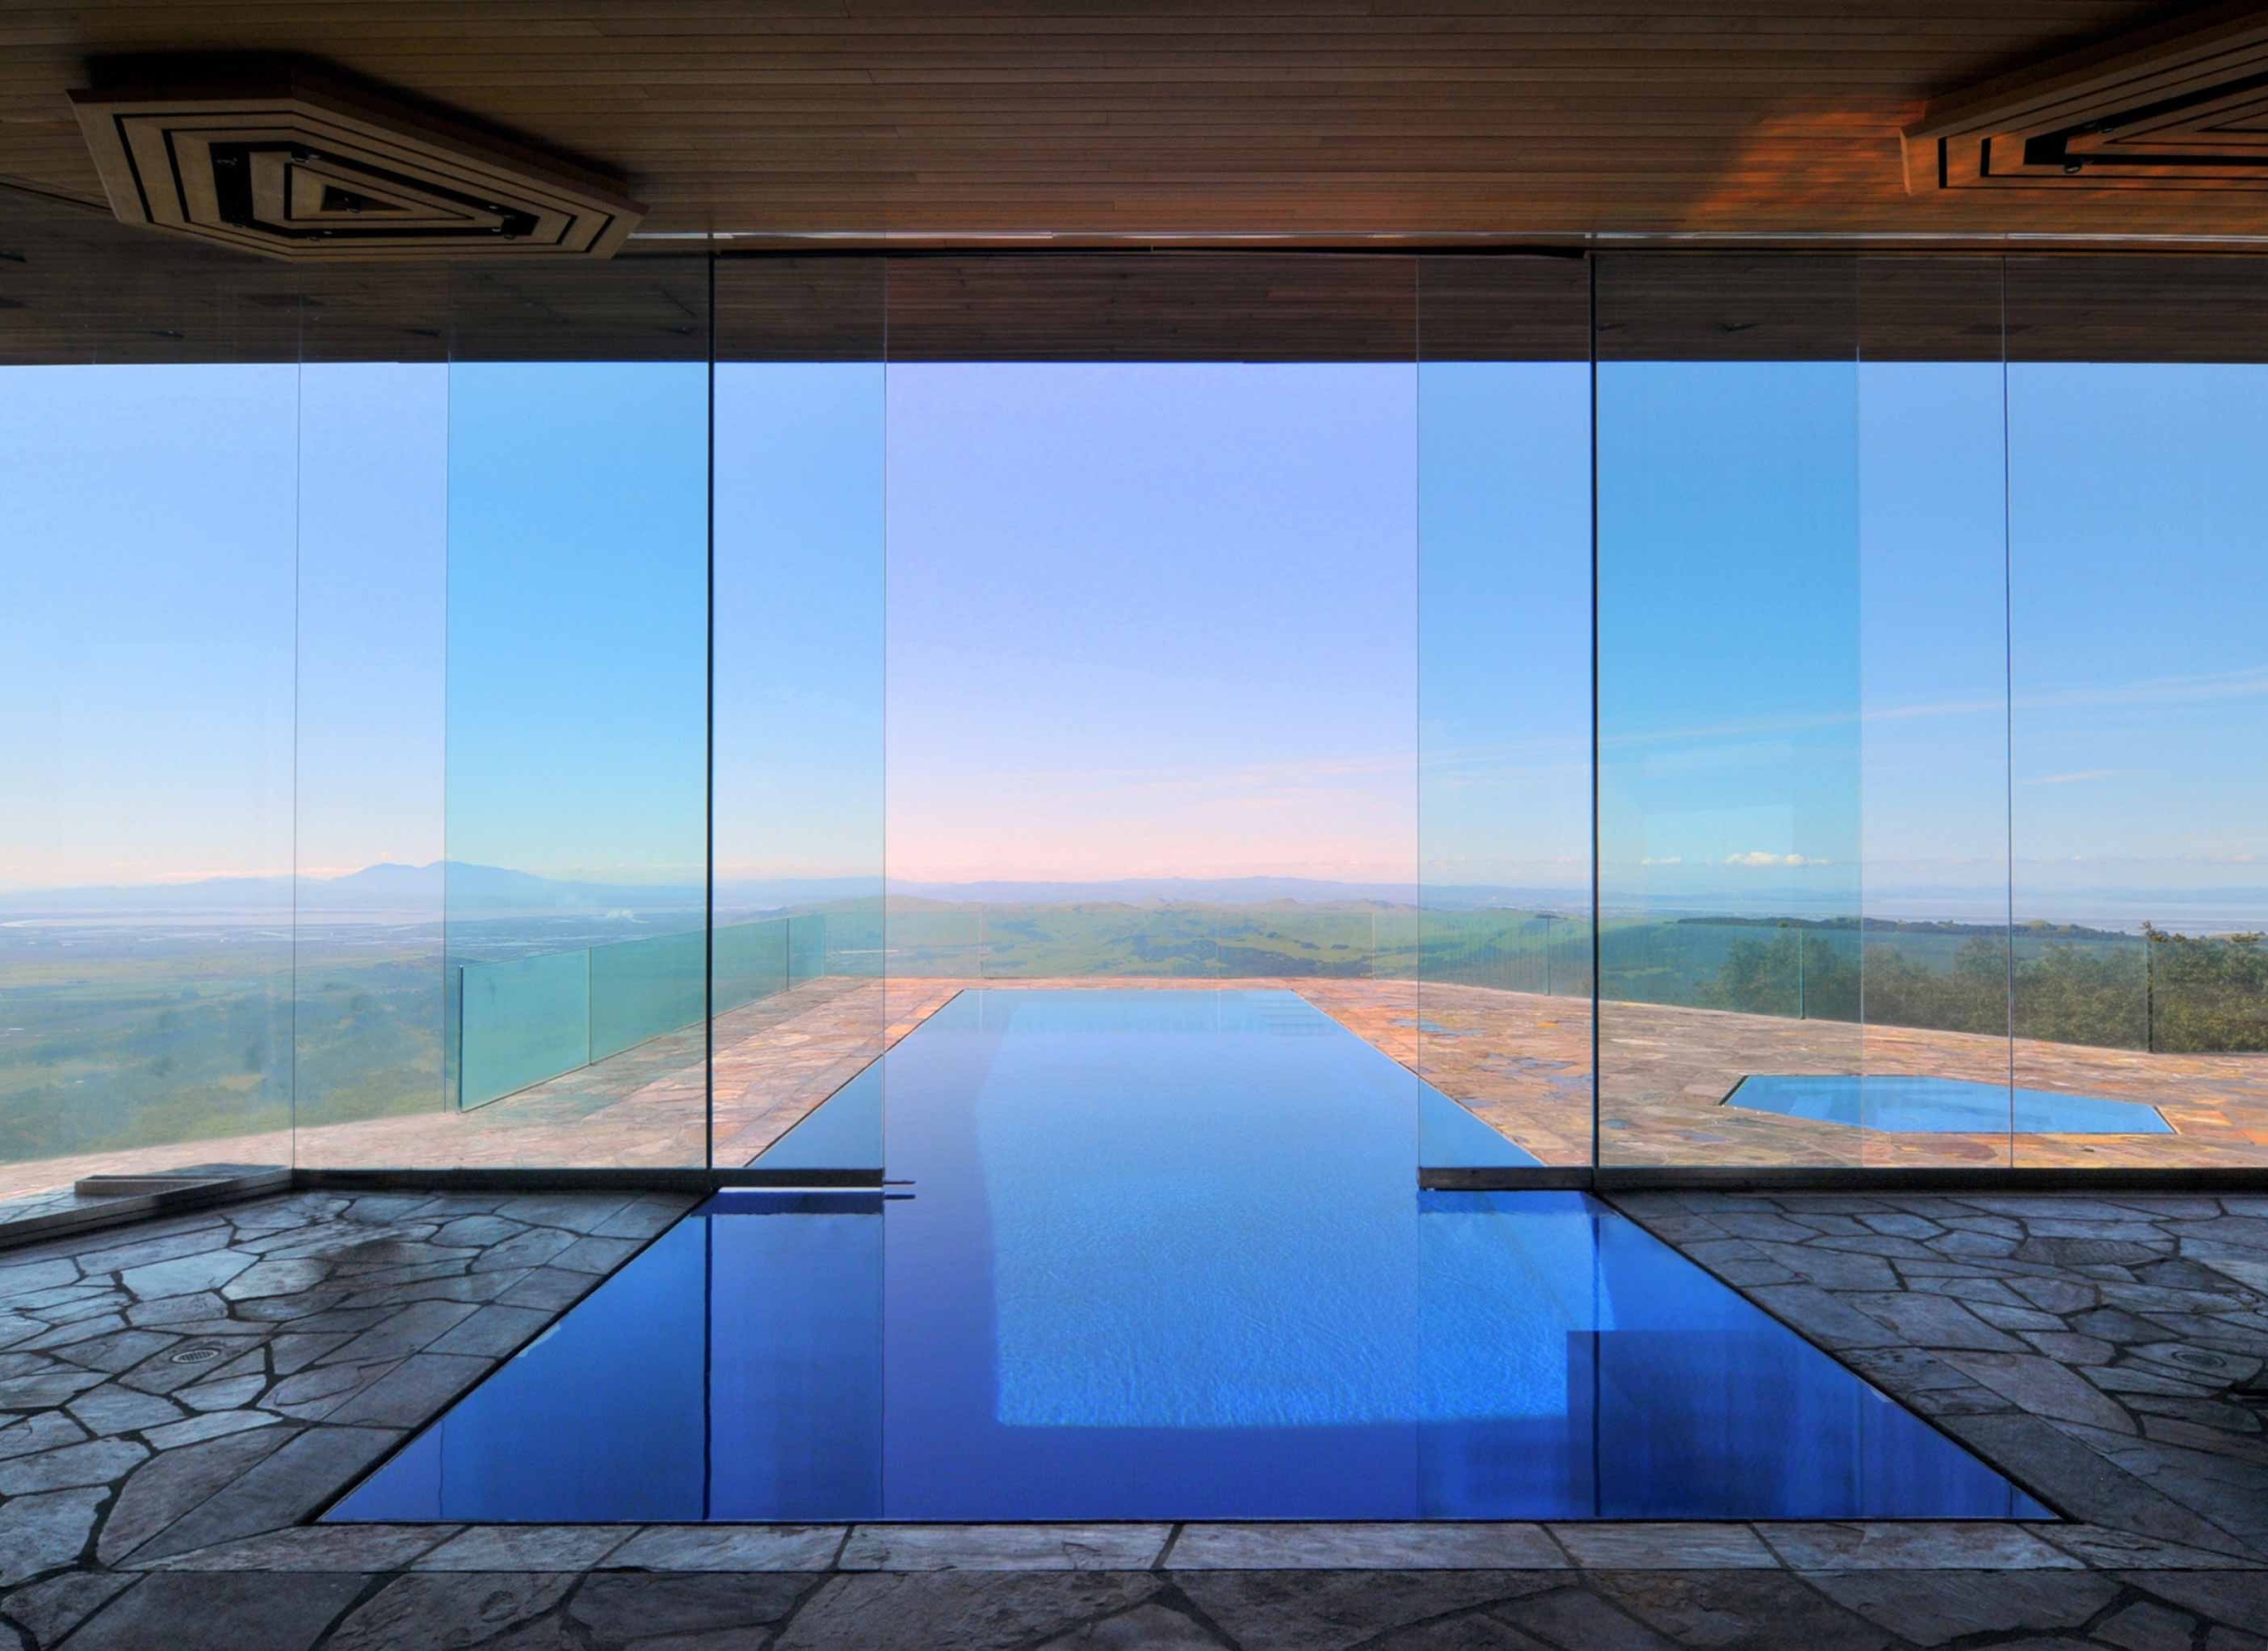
[1318, 120]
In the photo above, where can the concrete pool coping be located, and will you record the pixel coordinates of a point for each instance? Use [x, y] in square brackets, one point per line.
[1907, 1544]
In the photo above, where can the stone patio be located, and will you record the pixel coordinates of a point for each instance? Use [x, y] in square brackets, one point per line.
[1517, 1059]
[184, 1395]
[1521, 1060]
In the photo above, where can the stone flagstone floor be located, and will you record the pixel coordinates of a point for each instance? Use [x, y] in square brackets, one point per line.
[181, 1396]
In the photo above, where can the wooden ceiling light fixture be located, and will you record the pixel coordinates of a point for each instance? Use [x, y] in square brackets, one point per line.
[2181, 106]
[294, 165]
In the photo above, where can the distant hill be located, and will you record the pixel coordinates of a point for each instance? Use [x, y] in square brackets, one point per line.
[382, 889]
[396, 889]
[1235, 891]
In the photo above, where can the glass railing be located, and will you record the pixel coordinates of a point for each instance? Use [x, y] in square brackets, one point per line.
[531, 1019]
[1789, 971]
[2159, 992]
[1537, 952]
[1519, 951]
[528, 1019]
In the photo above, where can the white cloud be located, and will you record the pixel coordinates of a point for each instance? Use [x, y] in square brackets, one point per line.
[1663, 860]
[1757, 857]
[2077, 776]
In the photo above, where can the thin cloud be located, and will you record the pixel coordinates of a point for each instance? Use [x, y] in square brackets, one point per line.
[2077, 776]
[2248, 683]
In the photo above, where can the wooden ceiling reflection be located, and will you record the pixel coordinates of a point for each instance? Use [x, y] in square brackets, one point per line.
[1314, 119]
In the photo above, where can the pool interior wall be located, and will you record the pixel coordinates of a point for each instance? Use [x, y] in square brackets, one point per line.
[1163, 1256]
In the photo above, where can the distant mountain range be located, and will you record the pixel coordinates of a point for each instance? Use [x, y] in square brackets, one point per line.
[408, 890]
[374, 889]
[414, 894]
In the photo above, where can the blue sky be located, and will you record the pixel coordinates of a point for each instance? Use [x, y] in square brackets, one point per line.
[577, 612]
[1145, 621]
[800, 591]
[1153, 620]
[145, 633]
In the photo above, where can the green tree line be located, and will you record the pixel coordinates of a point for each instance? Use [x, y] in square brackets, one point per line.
[2172, 993]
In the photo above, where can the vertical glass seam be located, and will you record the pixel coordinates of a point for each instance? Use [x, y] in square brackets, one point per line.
[882, 924]
[452, 1054]
[2008, 708]
[299, 560]
[708, 769]
[1417, 690]
[1858, 620]
[1590, 262]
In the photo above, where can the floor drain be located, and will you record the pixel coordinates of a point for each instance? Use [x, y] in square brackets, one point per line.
[195, 1355]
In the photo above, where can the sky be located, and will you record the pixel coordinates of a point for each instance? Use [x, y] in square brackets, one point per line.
[1153, 620]
[1024, 622]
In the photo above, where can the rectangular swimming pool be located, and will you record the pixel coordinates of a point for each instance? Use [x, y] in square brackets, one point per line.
[1164, 1257]
[1903, 1104]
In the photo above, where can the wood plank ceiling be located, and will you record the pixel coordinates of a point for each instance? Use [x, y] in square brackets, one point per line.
[1323, 121]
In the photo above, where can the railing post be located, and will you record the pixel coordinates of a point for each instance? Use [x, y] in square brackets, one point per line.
[2149, 993]
[460, 1038]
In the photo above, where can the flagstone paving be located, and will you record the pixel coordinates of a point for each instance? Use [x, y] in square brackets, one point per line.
[181, 1395]
[2106, 1351]
[1521, 1060]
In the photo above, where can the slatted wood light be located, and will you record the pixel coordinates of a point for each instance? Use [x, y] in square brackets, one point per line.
[2180, 108]
[297, 166]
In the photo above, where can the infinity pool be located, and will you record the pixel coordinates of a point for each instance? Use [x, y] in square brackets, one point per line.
[1164, 1255]
[1909, 1105]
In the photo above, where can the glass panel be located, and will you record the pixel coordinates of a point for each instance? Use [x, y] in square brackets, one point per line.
[798, 963]
[145, 660]
[1932, 652]
[1503, 929]
[1728, 703]
[578, 716]
[1152, 635]
[369, 1019]
[525, 1019]
[2140, 752]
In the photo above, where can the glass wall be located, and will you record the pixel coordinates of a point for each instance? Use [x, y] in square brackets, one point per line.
[1502, 957]
[146, 667]
[1152, 645]
[1729, 698]
[1152, 581]
[796, 983]
[1930, 987]
[369, 1015]
[576, 890]
[2139, 659]
[593, 722]
[2002, 667]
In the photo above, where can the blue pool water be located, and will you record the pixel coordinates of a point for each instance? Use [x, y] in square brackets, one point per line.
[1164, 1255]
[1128, 1053]
[1942, 1105]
